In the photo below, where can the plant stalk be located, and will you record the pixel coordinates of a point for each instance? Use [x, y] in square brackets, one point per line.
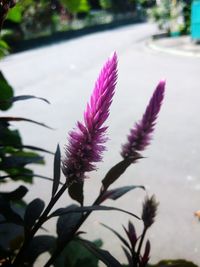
[37, 226]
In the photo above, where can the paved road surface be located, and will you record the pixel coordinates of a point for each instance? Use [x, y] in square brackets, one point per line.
[65, 73]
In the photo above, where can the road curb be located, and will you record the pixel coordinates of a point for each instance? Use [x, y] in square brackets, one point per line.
[152, 45]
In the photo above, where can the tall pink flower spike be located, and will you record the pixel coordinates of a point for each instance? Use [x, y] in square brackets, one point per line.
[85, 142]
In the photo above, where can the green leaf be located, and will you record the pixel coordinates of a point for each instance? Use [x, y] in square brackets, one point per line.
[75, 255]
[6, 93]
[76, 192]
[56, 171]
[20, 159]
[174, 263]
[76, 6]
[4, 48]
[9, 137]
[15, 14]
[101, 254]
[33, 212]
[20, 173]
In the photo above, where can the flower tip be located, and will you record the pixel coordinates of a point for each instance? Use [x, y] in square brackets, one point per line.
[162, 83]
[113, 56]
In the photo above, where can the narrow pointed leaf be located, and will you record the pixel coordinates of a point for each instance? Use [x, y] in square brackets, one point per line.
[27, 97]
[28, 147]
[15, 195]
[115, 172]
[145, 257]
[33, 212]
[101, 254]
[7, 119]
[118, 192]
[76, 192]
[56, 171]
[118, 235]
[131, 233]
[63, 211]
[128, 256]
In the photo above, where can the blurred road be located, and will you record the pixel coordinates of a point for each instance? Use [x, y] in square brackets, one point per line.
[65, 72]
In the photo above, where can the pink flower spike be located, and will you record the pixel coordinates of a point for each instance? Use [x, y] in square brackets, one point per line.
[85, 142]
[141, 134]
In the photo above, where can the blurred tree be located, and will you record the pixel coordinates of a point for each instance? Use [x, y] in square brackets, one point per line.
[76, 6]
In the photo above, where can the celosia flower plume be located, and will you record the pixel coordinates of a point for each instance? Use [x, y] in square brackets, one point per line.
[141, 134]
[86, 141]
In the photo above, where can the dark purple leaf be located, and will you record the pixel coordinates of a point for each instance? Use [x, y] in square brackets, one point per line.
[76, 192]
[131, 233]
[118, 192]
[33, 212]
[128, 256]
[115, 172]
[27, 97]
[38, 245]
[56, 171]
[15, 195]
[66, 223]
[28, 175]
[9, 214]
[145, 257]
[68, 210]
[118, 235]
[7, 119]
[101, 254]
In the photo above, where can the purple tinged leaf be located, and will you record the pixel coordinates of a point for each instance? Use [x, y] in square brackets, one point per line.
[128, 256]
[27, 97]
[86, 142]
[114, 173]
[114, 194]
[76, 192]
[141, 134]
[132, 234]
[63, 211]
[33, 212]
[118, 235]
[145, 257]
[56, 171]
[8, 119]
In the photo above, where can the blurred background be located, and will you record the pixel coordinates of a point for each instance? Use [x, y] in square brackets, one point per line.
[55, 50]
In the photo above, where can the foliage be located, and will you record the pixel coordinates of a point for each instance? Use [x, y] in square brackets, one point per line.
[172, 16]
[31, 218]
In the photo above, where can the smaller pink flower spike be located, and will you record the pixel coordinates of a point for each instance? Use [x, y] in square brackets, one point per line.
[141, 134]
